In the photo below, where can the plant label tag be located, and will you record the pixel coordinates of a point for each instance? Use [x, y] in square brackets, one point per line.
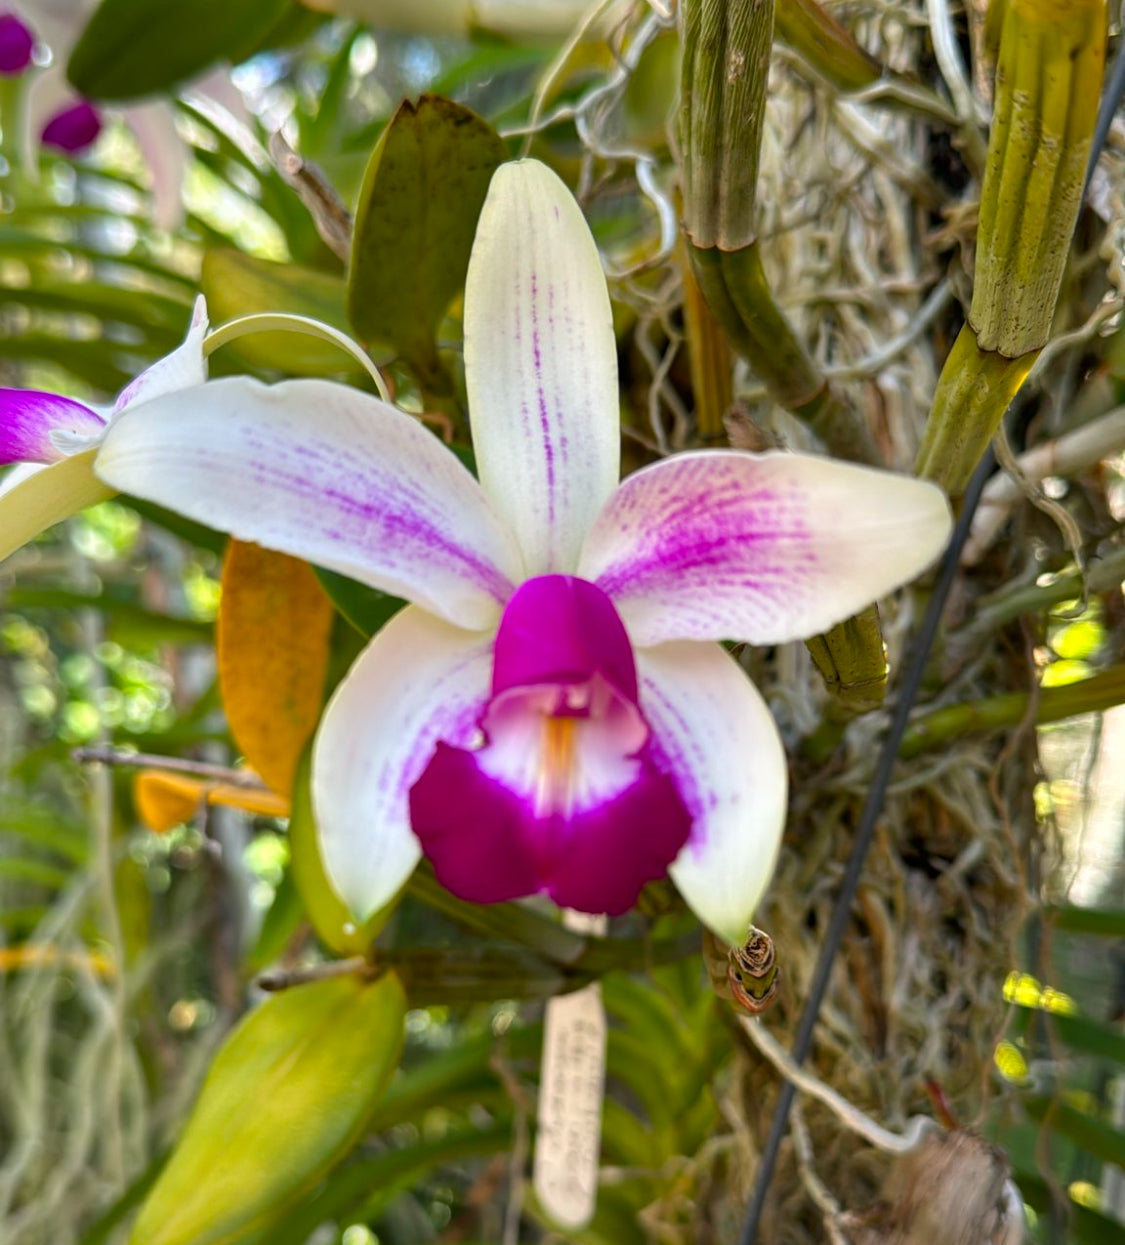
[571, 1088]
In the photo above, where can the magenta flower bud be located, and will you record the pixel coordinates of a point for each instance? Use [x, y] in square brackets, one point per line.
[73, 129]
[16, 44]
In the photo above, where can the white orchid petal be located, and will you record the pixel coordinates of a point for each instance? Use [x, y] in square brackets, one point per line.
[720, 744]
[32, 500]
[418, 681]
[185, 367]
[325, 473]
[540, 365]
[165, 155]
[719, 544]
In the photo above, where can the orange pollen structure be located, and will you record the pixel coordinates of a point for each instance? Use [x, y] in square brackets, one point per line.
[556, 765]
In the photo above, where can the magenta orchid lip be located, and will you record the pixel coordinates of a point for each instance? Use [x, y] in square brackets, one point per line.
[552, 714]
[565, 771]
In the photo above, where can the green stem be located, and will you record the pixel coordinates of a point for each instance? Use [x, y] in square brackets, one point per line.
[538, 932]
[726, 56]
[852, 662]
[994, 713]
[738, 293]
[1002, 607]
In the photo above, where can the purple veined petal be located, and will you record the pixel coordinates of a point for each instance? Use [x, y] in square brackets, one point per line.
[72, 129]
[28, 417]
[418, 681]
[561, 795]
[181, 369]
[326, 473]
[154, 127]
[16, 45]
[720, 544]
[717, 740]
[540, 365]
[32, 500]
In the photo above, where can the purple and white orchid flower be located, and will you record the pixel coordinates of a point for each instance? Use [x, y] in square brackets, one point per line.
[552, 713]
[56, 438]
[56, 116]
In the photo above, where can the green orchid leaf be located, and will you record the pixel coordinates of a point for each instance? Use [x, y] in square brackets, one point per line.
[417, 214]
[1086, 1131]
[1107, 922]
[287, 1096]
[367, 609]
[132, 48]
[330, 917]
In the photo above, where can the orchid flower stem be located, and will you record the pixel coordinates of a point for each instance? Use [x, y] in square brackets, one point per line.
[548, 938]
[438, 396]
[285, 979]
[272, 322]
[470, 974]
[512, 922]
[489, 971]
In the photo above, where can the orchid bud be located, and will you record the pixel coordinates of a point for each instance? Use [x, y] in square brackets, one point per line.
[16, 45]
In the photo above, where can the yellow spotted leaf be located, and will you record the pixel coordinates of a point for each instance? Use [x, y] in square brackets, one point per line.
[274, 630]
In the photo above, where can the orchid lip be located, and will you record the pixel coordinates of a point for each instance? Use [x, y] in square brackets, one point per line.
[564, 794]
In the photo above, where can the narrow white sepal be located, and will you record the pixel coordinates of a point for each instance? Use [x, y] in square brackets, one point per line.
[541, 365]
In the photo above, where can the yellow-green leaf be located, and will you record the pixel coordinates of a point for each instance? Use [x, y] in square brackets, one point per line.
[273, 638]
[414, 224]
[334, 924]
[287, 1097]
[239, 285]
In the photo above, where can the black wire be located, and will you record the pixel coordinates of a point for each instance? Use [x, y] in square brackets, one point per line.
[872, 807]
[888, 755]
[1111, 99]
